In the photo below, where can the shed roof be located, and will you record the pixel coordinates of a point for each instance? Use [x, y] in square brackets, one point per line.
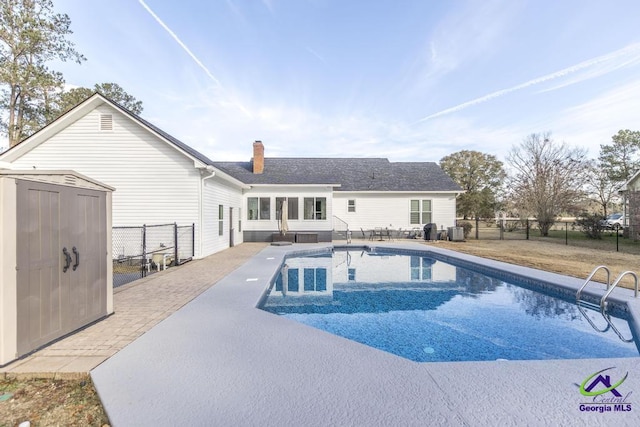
[346, 174]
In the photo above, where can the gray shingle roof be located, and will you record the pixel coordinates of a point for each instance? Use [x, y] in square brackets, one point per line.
[353, 174]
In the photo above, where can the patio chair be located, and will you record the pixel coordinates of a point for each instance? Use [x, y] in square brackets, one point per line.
[364, 235]
[388, 233]
[377, 232]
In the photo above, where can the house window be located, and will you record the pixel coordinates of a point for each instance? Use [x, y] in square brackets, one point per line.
[258, 208]
[421, 268]
[292, 207]
[252, 208]
[106, 122]
[265, 208]
[315, 208]
[220, 220]
[315, 279]
[351, 206]
[351, 274]
[293, 280]
[420, 212]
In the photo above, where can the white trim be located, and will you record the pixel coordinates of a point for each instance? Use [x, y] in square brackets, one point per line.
[83, 109]
[226, 177]
[295, 185]
[48, 173]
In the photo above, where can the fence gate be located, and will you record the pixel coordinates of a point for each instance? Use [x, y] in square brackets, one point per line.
[61, 260]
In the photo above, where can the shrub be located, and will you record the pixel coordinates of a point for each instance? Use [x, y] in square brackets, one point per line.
[512, 226]
[590, 225]
[466, 227]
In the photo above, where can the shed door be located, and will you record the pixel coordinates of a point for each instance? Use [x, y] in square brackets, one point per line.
[87, 234]
[40, 294]
[53, 302]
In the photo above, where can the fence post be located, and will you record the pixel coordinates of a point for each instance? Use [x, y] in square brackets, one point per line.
[144, 251]
[175, 243]
[527, 226]
[477, 221]
[566, 234]
[193, 240]
[617, 230]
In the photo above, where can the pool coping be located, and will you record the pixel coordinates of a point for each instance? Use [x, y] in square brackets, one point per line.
[220, 360]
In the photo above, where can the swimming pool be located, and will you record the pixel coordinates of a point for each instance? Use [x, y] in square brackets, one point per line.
[429, 310]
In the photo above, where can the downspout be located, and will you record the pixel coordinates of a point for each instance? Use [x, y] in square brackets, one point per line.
[211, 174]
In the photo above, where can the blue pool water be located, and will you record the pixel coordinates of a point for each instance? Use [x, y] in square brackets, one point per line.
[427, 310]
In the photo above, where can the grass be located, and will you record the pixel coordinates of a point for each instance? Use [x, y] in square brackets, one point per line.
[50, 402]
[119, 268]
[569, 237]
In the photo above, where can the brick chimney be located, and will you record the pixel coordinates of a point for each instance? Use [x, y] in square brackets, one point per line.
[258, 157]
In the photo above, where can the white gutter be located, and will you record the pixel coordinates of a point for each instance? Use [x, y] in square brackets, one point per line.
[211, 174]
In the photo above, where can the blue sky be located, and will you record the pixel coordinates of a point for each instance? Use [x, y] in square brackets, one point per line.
[407, 80]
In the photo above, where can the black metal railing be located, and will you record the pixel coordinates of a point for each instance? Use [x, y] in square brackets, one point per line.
[341, 230]
[142, 250]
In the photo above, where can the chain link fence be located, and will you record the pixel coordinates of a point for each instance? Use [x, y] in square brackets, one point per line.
[492, 229]
[566, 232]
[139, 251]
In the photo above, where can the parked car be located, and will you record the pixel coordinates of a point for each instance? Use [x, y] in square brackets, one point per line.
[614, 221]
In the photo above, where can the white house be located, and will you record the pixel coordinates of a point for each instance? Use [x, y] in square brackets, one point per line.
[159, 179]
[325, 194]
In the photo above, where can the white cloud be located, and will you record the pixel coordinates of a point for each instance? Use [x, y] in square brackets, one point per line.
[596, 121]
[467, 33]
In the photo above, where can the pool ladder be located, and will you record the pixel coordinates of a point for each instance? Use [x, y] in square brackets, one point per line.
[603, 301]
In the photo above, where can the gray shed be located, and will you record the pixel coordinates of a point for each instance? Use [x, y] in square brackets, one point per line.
[55, 257]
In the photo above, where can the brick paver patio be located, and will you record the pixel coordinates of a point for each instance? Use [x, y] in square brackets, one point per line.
[138, 307]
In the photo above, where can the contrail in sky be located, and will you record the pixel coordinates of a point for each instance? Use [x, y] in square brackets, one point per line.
[182, 45]
[192, 55]
[634, 48]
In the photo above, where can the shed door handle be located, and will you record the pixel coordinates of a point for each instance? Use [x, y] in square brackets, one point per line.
[75, 251]
[67, 260]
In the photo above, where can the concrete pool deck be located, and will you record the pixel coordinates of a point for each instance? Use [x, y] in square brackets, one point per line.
[221, 361]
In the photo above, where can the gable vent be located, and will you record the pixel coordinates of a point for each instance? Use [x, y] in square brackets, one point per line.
[70, 180]
[106, 122]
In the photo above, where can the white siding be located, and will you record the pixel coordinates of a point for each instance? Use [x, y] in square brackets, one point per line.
[294, 225]
[389, 269]
[154, 182]
[391, 209]
[216, 193]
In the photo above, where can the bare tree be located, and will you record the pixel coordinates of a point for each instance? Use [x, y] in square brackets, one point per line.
[547, 177]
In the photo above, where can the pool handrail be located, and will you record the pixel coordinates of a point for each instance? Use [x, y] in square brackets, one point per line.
[586, 282]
